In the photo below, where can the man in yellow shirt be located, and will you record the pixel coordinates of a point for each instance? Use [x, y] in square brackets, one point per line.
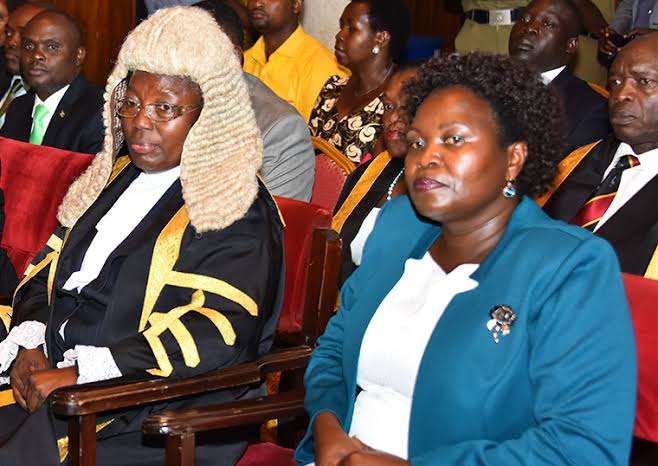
[292, 63]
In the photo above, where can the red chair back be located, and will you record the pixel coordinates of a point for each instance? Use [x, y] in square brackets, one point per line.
[302, 221]
[34, 180]
[329, 181]
[643, 298]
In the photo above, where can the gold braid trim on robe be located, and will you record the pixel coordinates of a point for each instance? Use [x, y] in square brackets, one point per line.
[7, 398]
[161, 273]
[359, 191]
[63, 443]
[652, 269]
[567, 165]
[5, 316]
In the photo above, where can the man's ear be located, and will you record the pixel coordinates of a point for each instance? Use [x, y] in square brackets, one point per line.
[80, 55]
[572, 45]
[517, 153]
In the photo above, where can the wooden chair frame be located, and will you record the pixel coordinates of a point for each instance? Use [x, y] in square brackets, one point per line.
[82, 404]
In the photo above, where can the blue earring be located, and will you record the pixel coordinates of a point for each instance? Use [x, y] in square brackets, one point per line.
[509, 191]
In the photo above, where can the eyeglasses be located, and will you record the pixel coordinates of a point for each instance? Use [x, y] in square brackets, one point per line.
[161, 112]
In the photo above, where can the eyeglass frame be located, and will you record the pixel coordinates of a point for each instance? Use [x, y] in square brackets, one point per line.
[179, 110]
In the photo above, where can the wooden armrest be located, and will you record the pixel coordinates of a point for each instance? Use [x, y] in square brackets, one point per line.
[82, 400]
[232, 414]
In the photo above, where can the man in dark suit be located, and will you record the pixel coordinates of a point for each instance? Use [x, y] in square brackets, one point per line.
[546, 37]
[61, 109]
[629, 217]
[12, 84]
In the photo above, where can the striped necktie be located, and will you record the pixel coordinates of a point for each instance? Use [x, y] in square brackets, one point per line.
[15, 87]
[39, 124]
[591, 213]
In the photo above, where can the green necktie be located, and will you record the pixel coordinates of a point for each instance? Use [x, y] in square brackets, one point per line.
[39, 125]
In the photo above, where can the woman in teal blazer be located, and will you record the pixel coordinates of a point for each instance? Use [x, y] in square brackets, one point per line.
[548, 379]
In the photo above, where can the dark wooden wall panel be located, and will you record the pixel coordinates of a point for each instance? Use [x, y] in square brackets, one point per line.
[436, 17]
[105, 24]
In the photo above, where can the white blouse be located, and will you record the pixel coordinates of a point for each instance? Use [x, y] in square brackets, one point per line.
[359, 241]
[393, 346]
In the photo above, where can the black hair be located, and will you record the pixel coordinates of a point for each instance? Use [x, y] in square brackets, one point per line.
[76, 28]
[524, 108]
[226, 17]
[392, 16]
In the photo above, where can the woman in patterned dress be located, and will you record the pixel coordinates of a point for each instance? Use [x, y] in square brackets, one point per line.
[349, 111]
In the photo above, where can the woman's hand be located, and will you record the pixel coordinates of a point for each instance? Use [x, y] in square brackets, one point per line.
[330, 441]
[42, 383]
[27, 362]
[372, 458]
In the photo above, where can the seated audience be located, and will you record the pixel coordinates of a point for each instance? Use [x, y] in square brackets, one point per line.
[546, 38]
[290, 62]
[632, 18]
[288, 156]
[476, 330]
[173, 257]
[62, 109]
[14, 85]
[348, 112]
[376, 181]
[612, 188]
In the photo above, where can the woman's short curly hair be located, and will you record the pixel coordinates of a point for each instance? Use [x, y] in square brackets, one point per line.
[524, 108]
[392, 16]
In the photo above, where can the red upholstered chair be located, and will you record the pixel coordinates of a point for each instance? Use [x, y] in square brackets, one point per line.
[34, 180]
[312, 253]
[643, 298]
[331, 169]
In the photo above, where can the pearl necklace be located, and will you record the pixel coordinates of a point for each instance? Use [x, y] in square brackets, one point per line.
[389, 192]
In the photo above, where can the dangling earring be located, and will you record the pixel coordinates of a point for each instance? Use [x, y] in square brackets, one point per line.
[509, 191]
[375, 50]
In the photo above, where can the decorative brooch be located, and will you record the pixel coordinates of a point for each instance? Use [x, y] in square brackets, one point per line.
[502, 318]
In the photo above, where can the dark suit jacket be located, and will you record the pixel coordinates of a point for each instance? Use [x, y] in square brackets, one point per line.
[5, 75]
[633, 229]
[76, 126]
[586, 109]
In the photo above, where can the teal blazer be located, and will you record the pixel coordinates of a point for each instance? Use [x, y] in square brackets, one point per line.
[558, 390]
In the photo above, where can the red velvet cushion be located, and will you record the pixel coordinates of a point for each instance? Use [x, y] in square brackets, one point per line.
[267, 454]
[301, 220]
[329, 181]
[643, 297]
[34, 180]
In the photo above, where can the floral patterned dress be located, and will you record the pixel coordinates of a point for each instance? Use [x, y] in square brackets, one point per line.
[354, 135]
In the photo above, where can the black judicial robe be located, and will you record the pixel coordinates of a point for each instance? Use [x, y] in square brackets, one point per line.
[363, 189]
[169, 302]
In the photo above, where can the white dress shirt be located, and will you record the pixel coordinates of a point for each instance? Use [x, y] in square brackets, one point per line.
[548, 76]
[122, 218]
[632, 179]
[51, 104]
[393, 346]
[359, 241]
